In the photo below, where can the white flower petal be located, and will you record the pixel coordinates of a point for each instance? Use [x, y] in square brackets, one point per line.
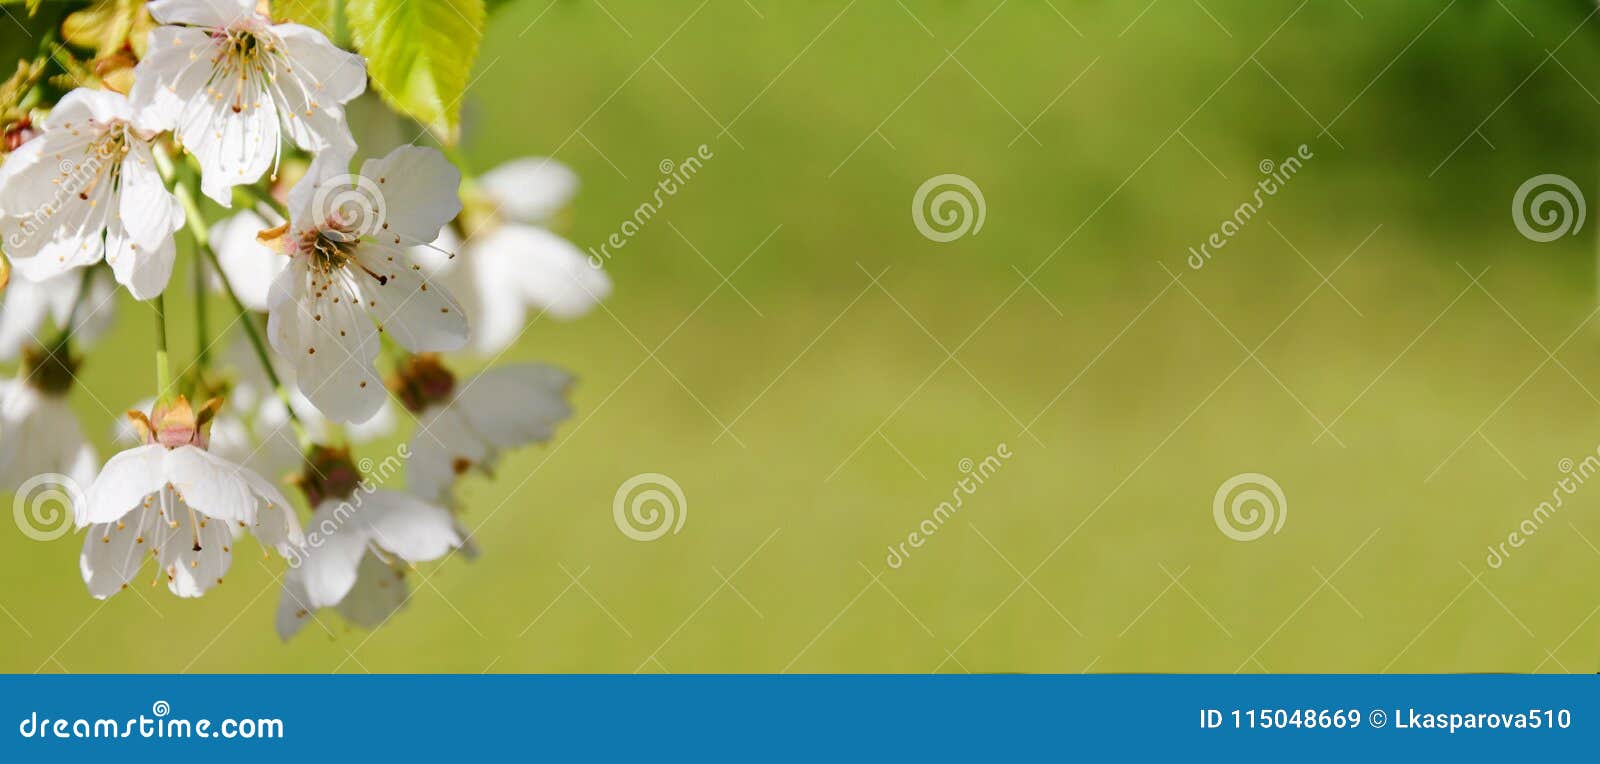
[330, 343]
[195, 551]
[443, 445]
[420, 315]
[112, 556]
[420, 191]
[205, 13]
[124, 483]
[516, 404]
[530, 189]
[249, 266]
[211, 485]
[144, 272]
[408, 527]
[552, 274]
[317, 78]
[334, 546]
[294, 606]
[379, 593]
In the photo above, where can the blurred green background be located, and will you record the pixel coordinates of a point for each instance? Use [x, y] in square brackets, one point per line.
[812, 411]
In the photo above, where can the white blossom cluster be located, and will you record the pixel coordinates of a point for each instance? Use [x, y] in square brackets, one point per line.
[382, 269]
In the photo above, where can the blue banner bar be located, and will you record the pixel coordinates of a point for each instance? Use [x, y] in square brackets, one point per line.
[743, 718]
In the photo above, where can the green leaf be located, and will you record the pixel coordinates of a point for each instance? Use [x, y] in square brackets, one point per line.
[419, 54]
[317, 14]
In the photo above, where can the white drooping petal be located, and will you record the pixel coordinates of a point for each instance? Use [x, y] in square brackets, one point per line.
[503, 408]
[294, 606]
[408, 527]
[443, 446]
[204, 13]
[40, 436]
[149, 213]
[553, 275]
[322, 332]
[379, 592]
[114, 552]
[249, 266]
[177, 63]
[123, 484]
[27, 309]
[139, 244]
[211, 484]
[408, 304]
[335, 542]
[530, 189]
[83, 105]
[195, 551]
[516, 404]
[315, 78]
[419, 190]
[234, 146]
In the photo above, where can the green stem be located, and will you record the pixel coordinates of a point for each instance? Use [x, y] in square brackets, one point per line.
[164, 391]
[197, 228]
[202, 330]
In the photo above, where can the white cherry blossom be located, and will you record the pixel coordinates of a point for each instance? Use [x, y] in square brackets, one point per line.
[231, 85]
[31, 311]
[512, 262]
[465, 425]
[358, 546]
[87, 189]
[175, 501]
[39, 434]
[351, 275]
